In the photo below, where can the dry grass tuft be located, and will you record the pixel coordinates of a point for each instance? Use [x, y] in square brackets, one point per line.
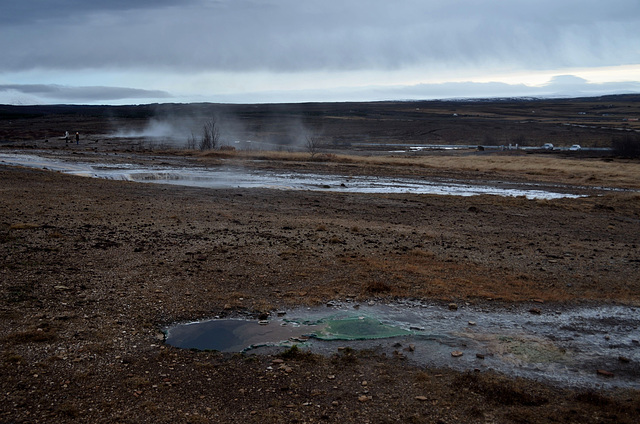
[500, 391]
[31, 336]
[23, 226]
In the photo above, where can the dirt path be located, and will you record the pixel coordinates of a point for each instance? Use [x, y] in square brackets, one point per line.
[91, 269]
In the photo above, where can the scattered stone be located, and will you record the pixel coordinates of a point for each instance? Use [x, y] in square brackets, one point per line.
[535, 311]
[634, 341]
[472, 323]
[453, 307]
[422, 398]
[277, 361]
[538, 300]
[364, 398]
[456, 354]
[607, 337]
[411, 348]
[399, 355]
[263, 322]
[364, 383]
[624, 359]
[605, 373]
[331, 377]
[479, 355]
[61, 288]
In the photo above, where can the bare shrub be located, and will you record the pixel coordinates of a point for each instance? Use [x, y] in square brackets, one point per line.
[191, 142]
[312, 144]
[210, 135]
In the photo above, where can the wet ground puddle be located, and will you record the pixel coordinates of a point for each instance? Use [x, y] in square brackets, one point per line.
[578, 347]
[238, 177]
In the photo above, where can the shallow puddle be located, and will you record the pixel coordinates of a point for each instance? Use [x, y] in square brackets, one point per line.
[580, 347]
[238, 177]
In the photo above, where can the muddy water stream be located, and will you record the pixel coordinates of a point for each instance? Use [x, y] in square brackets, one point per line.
[238, 177]
[578, 347]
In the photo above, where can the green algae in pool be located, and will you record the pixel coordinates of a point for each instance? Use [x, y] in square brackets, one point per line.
[357, 328]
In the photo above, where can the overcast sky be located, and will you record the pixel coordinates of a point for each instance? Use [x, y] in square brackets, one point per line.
[147, 51]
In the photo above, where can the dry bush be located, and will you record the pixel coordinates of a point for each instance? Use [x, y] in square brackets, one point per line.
[627, 146]
[377, 287]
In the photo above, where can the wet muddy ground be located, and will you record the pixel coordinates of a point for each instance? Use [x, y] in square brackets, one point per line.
[93, 270]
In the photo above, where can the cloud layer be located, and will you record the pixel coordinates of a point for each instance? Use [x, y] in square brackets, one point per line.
[186, 39]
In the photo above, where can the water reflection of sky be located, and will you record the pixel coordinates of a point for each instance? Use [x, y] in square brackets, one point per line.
[238, 177]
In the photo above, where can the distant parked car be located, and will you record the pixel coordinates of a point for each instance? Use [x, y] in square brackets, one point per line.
[547, 146]
[575, 147]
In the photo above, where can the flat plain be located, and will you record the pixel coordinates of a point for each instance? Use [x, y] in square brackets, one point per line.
[93, 269]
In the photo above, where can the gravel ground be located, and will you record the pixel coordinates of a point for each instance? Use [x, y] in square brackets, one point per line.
[91, 270]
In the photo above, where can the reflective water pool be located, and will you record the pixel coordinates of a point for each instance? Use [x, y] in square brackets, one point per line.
[238, 177]
[587, 346]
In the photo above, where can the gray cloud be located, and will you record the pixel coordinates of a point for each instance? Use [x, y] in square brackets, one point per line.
[47, 11]
[289, 35]
[80, 94]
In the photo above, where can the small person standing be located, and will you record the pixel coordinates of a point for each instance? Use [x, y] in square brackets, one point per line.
[77, 138]
[66, 136]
